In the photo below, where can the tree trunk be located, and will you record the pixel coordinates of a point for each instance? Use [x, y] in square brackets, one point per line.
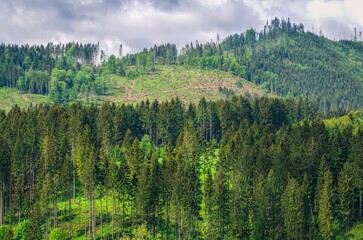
[70, 219]
[360, 204]
[74, 173]
[106, 213]
[167, 221]
[101, 217]
[46, 226]
[113, 212]
[85, 220]
[123, 216]
[55, 213]
[1, 202]
[118, 204]
[79, 212]
[89, 215]
[94, 216]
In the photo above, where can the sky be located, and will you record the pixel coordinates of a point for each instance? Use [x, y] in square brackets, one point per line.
[142, 23]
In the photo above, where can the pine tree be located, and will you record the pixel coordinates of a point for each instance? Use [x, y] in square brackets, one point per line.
[292, 209]
[208, 191]
[85, 157]
[154, 190]
[168, 171]
[325, 214]
[345, 194]
[221, 200]
[259, 210]
[356, 157]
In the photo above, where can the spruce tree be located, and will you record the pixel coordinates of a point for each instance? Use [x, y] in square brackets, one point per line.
[325, 214]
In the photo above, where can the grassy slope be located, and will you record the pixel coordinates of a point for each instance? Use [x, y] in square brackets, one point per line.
[164, 83]
[172, 81]
[10, 97]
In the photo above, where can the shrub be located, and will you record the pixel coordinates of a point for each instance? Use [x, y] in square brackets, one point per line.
[20, 230]
[58, 234]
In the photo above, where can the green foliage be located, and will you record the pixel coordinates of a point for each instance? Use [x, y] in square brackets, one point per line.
[4, 231]
[282, 59]
[141, 232]
[292, 207]
[237, 168]
[356, 231]
[325, 215]
[20, 230]
[59, 234]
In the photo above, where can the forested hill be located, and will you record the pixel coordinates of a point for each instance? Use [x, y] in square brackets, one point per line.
[288, 61]
[282, 59]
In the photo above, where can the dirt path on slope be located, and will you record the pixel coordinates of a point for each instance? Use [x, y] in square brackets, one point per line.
[129, 93]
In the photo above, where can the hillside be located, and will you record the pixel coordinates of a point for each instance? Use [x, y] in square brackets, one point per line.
[289, 62]
[166, 82]
[163, 83]
[282, 60]
[310, 66]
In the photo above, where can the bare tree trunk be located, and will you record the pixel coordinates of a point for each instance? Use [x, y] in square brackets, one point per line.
[70, 218]
[118, 219]
[55, 213]
[360, 204]
[46, 227]
[113, 211]
[101, 217]
[176, 231]
[79, 212]
[74, 173]
[123, 216]
[167, 221]
[94, 216]
[85, 220]
[106, 213]
[89, 215]
[1, 202]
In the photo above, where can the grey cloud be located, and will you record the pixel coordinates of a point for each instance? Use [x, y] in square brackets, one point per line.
[141, 23]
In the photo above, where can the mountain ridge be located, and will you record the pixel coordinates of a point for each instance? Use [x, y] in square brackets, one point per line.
[281, 60]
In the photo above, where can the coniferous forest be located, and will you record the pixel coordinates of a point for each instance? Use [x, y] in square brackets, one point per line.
[232, 169]
[268, 166]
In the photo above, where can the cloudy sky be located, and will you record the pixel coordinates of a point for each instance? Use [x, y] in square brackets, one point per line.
[141, 23]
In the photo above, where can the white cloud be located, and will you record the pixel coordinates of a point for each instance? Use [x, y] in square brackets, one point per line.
[141, 23]
[320, 9]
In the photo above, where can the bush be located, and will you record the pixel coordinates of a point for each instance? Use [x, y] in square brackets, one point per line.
[4, 230]
[59, 234]
[20, 230]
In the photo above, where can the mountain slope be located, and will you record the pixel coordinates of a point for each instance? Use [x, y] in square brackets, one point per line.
[282, 60]
[167, 82]
[289, 62]
[163, 83]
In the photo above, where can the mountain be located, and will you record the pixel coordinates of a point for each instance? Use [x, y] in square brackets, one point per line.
[281, 60]
[290, 62]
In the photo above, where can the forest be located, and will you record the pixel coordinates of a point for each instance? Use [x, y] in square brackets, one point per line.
[262, 168]
[282, 59]
[282, 161]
